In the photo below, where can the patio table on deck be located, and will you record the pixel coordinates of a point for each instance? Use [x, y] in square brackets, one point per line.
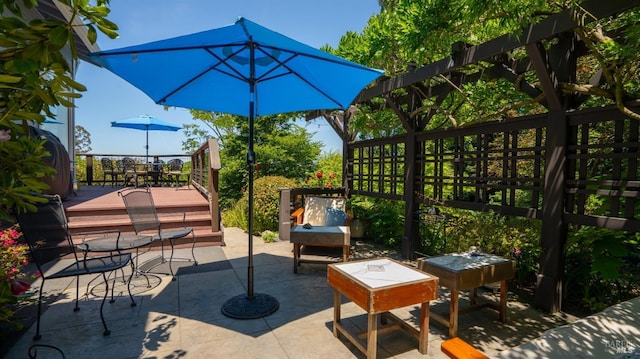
[378, 286]
[467, 271]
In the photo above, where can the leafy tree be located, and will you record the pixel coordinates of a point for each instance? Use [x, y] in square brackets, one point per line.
[408, 33]
[35, 78]
[82, 140]
[282, 149]
[328, 172]
[195, 137]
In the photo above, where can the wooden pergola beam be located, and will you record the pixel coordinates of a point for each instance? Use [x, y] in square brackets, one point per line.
[545, 29]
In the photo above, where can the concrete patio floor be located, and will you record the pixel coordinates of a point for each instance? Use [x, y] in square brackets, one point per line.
[182, 318]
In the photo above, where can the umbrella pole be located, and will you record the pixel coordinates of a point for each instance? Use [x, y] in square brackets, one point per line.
[147, 147]
[252, 305]
[251, 160]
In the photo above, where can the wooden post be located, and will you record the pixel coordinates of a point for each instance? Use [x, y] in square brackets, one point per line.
[548, 295]
[284, 226]
[89, 170]
[214, 198]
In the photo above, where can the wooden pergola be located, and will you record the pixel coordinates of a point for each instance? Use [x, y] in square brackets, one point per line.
[410, 167]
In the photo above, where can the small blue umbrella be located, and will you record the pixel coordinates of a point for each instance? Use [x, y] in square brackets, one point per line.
[146, 123]
[243, 69]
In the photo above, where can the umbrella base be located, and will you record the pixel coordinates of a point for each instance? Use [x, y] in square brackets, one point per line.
[244, 307]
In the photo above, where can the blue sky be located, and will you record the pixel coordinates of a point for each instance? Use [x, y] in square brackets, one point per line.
[109, 98]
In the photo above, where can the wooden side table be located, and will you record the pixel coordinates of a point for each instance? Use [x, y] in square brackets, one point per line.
[465, 271]
[378, 286]
[321, 236]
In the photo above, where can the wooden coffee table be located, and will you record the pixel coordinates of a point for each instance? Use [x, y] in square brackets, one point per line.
[466, 271]
[378, 286]
[320, 236]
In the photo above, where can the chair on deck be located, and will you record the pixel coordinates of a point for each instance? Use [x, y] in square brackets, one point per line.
[131, 173]
[144, 218]
[46, 231]
[174, 170]
[108, 169]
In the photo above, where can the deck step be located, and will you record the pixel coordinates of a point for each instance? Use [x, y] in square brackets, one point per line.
[99, 209]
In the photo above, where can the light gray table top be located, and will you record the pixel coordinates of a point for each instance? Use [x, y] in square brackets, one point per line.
[463, 261]
[378, 273]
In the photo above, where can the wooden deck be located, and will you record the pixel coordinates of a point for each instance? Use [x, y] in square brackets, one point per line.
[94, 208]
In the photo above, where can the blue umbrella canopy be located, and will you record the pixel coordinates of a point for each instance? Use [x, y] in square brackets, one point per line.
[215, 70]
[146, 123]
[243, 69]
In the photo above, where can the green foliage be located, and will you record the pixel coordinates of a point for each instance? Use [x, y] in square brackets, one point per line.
[195, 137]
[81, 167]
[266, 203]
[328, 172]
[269, 236]
[383, 219]
[410, 33]
[82, 140]
[34, 79]
[281, 147]
[603, 266]
[236, 215]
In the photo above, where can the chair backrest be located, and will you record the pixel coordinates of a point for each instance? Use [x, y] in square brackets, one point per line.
[46, 231]
[128, 164]
[107, 164]
[157, 166]
[141, 209]
[175, 165]
[316, 209]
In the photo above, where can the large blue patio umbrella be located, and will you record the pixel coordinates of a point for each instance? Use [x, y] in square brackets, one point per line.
[247, 70]
[146, 123]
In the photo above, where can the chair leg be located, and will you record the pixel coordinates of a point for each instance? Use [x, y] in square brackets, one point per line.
[193, 247]
[106, 293]
[173, 276]
[77, 307]
[133, 270]
[37, 336]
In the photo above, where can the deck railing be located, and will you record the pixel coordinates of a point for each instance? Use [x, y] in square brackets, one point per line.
[205, 166]
[89, 171]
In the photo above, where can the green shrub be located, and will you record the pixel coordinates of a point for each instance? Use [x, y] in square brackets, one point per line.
[383, 219]
[236, 215]
[269, 237]
[266, 205]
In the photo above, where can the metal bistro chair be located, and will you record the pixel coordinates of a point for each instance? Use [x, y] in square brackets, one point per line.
[46, 231]
[145, 221]
[174, 171]
[108, 169]
[131, 173]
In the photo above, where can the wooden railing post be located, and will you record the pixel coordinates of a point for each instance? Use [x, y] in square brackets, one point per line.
[89, 170]
[213, 170]
[284, 227]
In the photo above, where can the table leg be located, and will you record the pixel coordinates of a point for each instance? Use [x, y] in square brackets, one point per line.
[372, 335]
[423, 341]
[345, 253]
[503, 301]
[296, 257]
[453, 316]
[336, 311]
[472, 296]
